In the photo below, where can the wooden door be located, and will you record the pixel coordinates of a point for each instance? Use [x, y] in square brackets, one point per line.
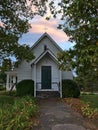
[46, 77]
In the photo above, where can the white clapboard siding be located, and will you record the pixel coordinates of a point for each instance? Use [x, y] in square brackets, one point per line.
[67, 75]
[24, 71]
[37, 50]
[43, 57]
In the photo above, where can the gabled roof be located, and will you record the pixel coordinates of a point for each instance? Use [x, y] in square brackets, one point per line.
[43, 54]
[46, 35]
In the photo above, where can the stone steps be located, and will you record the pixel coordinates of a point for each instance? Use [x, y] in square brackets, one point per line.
[48, 94]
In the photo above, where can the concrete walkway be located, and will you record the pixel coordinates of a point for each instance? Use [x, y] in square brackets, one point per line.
[56, 115]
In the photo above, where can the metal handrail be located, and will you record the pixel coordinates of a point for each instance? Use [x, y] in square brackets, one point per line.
[57, 83]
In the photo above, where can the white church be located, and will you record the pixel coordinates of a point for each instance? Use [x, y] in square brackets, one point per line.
[43, 70]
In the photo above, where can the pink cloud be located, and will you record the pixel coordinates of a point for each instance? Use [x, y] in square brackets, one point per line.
[41, 25]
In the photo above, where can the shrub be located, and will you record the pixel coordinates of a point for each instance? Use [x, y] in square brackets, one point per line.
[89, 112]
[70, 89]
[25, 87]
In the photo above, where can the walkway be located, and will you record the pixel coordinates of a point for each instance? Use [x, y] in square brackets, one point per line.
[55, 115]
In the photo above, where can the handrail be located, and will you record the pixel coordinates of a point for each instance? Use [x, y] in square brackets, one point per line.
[14, 85]
[57, 83]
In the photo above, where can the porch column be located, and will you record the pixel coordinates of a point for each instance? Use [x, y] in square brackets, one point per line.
[60, 84]
[7, 82]
[35, 80]
[14, 82]
[14, 79]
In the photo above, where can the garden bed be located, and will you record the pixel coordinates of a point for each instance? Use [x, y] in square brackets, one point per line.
[85, 108]
[17, 113]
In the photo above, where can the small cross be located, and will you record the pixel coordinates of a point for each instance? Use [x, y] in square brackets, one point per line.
[45, 29]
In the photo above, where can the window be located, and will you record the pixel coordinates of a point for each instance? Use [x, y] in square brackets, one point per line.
[45, 47]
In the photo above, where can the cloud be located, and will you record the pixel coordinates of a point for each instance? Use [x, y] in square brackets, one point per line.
[40, 25]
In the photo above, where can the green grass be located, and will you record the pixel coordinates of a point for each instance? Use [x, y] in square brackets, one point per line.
[6, 99]
[91, 99]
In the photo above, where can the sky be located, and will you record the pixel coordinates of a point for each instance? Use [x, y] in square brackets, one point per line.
[39, 25]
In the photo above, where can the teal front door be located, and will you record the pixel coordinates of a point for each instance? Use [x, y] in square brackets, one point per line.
[46, 77]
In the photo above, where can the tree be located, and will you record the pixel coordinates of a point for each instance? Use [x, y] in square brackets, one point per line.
[7, 65]
[81, 25]
[14, 17]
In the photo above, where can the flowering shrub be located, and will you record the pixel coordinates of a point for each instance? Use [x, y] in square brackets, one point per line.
[89, 112]
[18, 116]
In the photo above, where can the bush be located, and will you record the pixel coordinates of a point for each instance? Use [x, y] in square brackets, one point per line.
[25, 87]
[70, 89]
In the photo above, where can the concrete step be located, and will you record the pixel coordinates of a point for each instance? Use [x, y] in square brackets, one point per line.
[48, 94]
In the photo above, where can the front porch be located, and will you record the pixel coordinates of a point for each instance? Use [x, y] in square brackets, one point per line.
[46, 74]
[11, 80]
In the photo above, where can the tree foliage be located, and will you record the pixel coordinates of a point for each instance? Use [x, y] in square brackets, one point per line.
[81, 25]
[14, 17]
[7, 65]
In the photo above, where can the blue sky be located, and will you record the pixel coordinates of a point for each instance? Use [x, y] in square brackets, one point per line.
[40, 25]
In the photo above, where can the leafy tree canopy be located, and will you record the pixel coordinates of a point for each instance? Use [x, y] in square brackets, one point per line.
[81, 25]
[14, 17]
[6, 66]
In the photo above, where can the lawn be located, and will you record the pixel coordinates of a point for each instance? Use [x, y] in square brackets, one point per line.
[6, 99]
[91, 99]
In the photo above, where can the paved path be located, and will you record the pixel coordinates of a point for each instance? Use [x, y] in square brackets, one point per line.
[56, 115]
